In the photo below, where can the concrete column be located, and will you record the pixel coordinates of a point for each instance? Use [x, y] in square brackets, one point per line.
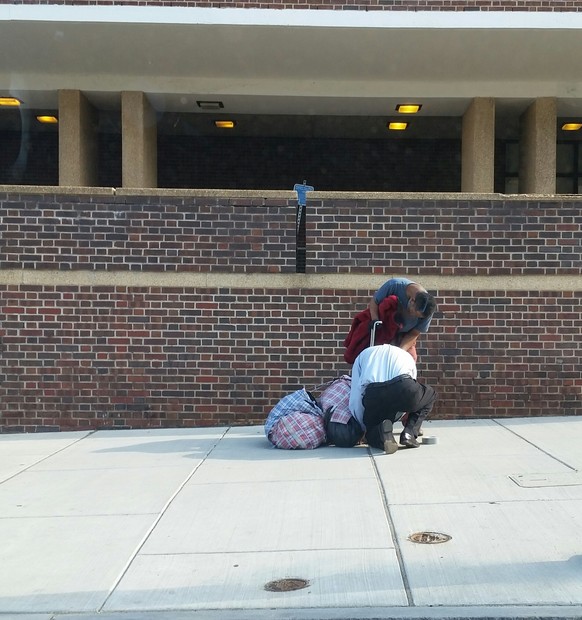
[537, 148]
[478, 147]
[139, 141]
[77, 140]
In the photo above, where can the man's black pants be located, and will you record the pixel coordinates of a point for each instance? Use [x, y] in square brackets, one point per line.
[344, 435]
[390, 400]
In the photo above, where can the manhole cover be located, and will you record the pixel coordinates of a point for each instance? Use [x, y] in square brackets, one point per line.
[286, 585]
[429, 538]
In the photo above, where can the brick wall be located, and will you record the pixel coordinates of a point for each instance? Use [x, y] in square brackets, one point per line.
[200, 234]
[505, 353]
[490, 237]
[249, 235]
[77, 352]
[344, 5]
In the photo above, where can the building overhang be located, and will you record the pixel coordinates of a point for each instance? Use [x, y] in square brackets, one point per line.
[291, 62]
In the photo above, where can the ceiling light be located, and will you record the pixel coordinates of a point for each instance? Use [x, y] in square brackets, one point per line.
[45, 118]
[397, 126]
[210, 105]
[225, 124]
[10, 101]
[571, 126]
[408, 108]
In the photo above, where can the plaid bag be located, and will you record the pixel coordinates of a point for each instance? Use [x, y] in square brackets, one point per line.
[296, 423]
[337, 397]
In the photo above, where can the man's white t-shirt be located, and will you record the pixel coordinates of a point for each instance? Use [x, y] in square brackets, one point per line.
[376, 365]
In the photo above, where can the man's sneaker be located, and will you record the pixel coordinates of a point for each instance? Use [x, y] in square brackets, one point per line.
[390, 445]
[408, 441]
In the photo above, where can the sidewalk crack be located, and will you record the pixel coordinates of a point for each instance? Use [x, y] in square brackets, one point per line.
[392, 527]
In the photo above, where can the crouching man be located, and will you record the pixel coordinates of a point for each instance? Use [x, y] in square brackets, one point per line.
[384, 387]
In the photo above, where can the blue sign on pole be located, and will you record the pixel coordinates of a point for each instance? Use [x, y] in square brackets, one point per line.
[302, 190]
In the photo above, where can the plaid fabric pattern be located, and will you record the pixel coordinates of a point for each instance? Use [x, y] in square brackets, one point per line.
[298, 431]
[337, 396]
[296, 422]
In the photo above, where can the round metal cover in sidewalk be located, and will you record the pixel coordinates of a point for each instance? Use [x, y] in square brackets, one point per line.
[429, 538]
[286, 585]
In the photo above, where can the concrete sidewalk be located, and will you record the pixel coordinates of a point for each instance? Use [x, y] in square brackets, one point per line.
[193, 523]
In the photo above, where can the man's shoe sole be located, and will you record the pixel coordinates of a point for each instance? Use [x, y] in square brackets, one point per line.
[390, 445]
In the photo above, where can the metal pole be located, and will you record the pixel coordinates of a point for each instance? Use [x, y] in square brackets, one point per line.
[300, 227]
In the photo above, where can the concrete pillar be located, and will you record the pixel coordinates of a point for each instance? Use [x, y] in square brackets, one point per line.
[478, 147]
[77, 140]
[139, 141]
[537, 148]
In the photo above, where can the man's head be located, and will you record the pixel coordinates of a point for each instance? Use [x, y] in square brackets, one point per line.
[423, 305]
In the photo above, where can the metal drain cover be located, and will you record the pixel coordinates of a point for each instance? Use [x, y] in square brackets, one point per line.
[286, 585]
[429, 538]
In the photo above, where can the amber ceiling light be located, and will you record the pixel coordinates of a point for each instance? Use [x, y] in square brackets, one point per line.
[397, 126]
[47, 119]
[225, 124]
[571, 126]
[10, 101]
[408, 108]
